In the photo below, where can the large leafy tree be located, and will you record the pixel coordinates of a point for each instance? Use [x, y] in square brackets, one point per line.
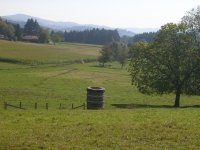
[57, 36]
[192, 19]
[7, 30]
[170, 64]
[43, 35]
[120, 52]
[106, 54]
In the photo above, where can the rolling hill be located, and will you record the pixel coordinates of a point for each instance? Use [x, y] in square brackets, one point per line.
[69, 26]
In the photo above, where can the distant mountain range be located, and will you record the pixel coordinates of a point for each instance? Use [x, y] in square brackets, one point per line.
[69, 26]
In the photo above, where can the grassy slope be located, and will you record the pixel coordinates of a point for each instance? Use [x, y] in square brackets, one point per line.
[108, 129]
[141, 127]
[47, 53]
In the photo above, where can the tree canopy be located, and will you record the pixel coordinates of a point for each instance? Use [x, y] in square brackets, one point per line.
[170, 64]
[57, 36]
[192, 19]
[146, 36]
[31, 28]
[115, 51]
[7, 30]
[106, 54]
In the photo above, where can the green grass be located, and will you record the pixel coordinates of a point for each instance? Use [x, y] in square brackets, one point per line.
[30, 52]
[108, 129]
[130, 120]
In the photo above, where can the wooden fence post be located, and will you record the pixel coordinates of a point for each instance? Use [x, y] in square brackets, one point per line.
[5, 105]
[35, 105]
[47, 106]
[72, 106]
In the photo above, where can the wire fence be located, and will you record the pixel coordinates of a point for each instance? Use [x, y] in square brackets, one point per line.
[28, 106]
[59, 104]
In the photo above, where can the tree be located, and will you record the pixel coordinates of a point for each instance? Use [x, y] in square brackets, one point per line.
[43, 35]
[120, 52]
[18, 31]
[106, 54]
[192, 19]
[57, 36]
[7, 30]
[115, 51]
[31, 27]
[169, 65]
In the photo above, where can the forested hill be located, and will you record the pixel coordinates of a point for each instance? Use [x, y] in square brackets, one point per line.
[62, 26]
[146, 36]
[94, 36]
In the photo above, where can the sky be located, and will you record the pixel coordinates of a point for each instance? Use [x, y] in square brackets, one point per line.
[113, 13]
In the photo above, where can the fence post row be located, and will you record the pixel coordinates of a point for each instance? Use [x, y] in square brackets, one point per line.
[83, 105]
[47, 106]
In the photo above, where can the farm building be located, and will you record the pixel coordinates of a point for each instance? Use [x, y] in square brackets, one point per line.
[2, 36]
[30, 38]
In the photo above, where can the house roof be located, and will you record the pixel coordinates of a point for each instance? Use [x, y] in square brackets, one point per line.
[2, 36]
[30, 37]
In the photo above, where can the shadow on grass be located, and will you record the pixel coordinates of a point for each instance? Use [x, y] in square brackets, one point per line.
[107, 67]
[135, 106]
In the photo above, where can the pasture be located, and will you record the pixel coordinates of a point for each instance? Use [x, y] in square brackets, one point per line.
[56, 74]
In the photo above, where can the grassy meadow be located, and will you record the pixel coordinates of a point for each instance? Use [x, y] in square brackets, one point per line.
[57, 74]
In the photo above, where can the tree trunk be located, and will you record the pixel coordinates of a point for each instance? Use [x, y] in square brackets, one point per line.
[177, 100]
[122, 66]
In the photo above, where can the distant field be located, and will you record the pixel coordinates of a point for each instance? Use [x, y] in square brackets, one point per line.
[130, 120]
[30, 52]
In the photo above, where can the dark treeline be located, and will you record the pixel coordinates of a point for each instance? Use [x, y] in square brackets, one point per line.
[33, 32]
[10, 31]
[94, 36]
[146, 36]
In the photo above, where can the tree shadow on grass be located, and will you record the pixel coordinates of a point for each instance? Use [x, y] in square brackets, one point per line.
[106, 66]
[136, 106]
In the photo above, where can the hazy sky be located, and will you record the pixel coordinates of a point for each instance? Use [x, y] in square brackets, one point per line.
[114, 13]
